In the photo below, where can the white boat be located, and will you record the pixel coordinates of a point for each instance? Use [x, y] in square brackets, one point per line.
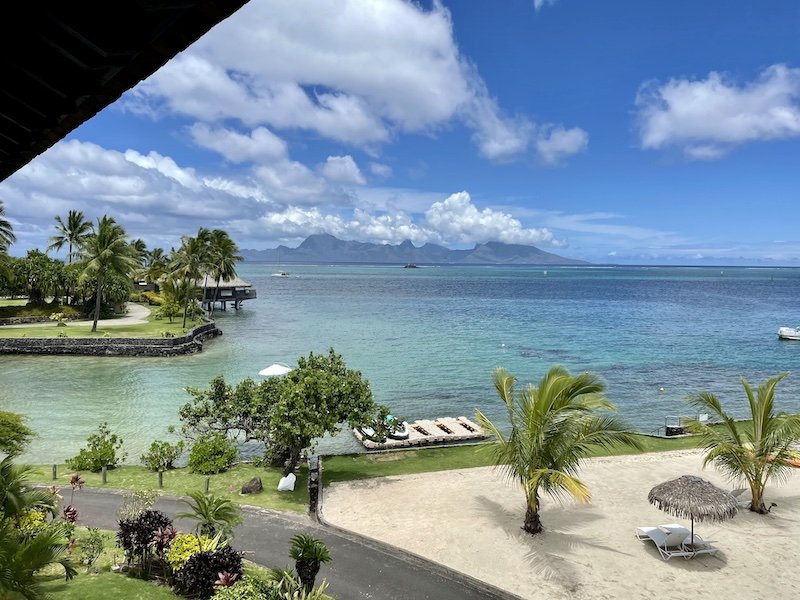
[789, 333]
[280, 274]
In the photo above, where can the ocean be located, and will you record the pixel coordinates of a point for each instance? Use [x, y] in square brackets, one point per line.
[428, 340]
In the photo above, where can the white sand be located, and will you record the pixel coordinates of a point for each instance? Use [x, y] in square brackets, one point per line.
[470, 520]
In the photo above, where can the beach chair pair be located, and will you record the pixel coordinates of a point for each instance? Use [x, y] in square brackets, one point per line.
[675, 540]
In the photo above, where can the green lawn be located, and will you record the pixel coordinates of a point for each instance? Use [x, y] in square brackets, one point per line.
[13, 302]
[180, 482]
[153, 328]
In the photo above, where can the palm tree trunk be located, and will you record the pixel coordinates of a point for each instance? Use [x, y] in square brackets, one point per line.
[533, 524]
[757, 503]
[216, 295]
[186, 303]
[97, 304]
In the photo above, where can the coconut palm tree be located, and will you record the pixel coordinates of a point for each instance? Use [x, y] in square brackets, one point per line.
[189, 262]
[754, 452]
[7, 236]
[553, 426]
[139, 248]
[155, 265]
[213, 514]
[106, 251]
[72, 233]
[223, 256]
[308, 553]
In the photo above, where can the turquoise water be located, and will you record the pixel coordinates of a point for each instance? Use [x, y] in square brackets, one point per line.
[427, 339]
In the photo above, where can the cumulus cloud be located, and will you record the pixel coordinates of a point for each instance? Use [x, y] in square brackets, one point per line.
[707, 118]
[342, 169]
[554, 144]
[457, 218]
[321, 66]
[259, 145]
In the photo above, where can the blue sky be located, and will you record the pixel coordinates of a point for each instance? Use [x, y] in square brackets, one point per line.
[625, 132]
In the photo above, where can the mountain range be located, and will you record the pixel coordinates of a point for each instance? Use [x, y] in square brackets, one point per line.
[325, 248]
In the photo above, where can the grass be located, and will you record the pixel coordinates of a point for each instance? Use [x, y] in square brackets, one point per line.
[403, 462]
[153, 328]
[180, 482]
[13, 302]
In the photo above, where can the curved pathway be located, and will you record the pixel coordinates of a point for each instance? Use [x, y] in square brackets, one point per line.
[137, 315]
[360, 569]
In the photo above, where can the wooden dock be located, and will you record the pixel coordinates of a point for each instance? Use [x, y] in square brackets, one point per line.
[445, 430]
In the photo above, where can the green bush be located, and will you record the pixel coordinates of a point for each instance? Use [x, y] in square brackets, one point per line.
[162, 455]
[102, 451]
[91, 547]
[213, 453]
[184, 547]
[248, 588]
[152, 298]
[136, 297]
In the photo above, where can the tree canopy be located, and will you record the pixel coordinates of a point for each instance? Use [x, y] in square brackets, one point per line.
[286, 413]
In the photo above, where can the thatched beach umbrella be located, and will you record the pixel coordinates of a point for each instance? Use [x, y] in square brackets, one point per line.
[692, 497]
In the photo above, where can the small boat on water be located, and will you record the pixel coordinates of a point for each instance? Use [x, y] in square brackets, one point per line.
[789, 333]
[280, 274]
[411, 266]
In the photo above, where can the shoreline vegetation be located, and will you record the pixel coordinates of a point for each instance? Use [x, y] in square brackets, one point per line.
[335, 468]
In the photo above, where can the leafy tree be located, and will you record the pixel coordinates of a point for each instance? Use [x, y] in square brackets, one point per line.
[139, 251]
[155, 265]
[7, 236]
[103, 450]
[162, 455]
[73, 233]
[288, 413]
[42, 276]
[14, 434]
[308, 553]
[755, 452]
[212, 453]
[553, 426]
[213, 514]
[106, 252]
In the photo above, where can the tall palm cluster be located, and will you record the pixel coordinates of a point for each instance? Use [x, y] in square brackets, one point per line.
[101, 261]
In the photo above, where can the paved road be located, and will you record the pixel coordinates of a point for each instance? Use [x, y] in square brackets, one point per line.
[360, 568]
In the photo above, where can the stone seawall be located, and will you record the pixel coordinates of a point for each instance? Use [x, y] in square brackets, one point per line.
[184, 344]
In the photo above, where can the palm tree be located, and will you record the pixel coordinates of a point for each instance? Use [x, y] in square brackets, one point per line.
[190, 261]
[106, 251]
[139, 248]
[155, 265]
[553, 426]
[21, 556]
[223, 256]
[308, 553]
[7, 236]
[213, 514]
[73, 233]
[755, 452]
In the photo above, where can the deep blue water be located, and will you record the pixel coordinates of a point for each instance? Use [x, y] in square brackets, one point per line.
[428, 339]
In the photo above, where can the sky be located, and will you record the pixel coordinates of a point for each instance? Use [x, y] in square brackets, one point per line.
[628, 132]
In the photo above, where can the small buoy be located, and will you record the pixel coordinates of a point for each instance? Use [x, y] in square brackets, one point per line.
[661, 389]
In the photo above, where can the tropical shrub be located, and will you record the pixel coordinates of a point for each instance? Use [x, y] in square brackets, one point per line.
[152, 298]
[135, 535]
[248, 588]
[214, 515]
[286, 585]
[308, 553]
[183, 547]
[14, 433]
[162, 455]
[202, 570]
[91, 547]
[213, 453]
[104, 450]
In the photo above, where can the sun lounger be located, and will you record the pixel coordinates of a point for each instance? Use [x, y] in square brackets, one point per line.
[669, 539]
[697, 545]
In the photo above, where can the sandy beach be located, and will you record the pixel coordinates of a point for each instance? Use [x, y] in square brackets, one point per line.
[470, 520]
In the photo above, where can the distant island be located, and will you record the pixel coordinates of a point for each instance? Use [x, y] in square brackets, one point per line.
[324, 248]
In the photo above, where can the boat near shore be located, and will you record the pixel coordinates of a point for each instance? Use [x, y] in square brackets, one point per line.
[789, 333]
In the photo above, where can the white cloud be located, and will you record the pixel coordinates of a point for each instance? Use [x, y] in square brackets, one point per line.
[456, 218]
[380, 170]
[355, 71]
[554, 144]
[540, 4]
[259, 146]
[706, 118]
[342, 169]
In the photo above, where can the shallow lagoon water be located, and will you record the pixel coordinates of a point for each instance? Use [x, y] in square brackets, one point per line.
[428, 339]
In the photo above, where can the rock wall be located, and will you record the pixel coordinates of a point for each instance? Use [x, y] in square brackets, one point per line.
[185, 344]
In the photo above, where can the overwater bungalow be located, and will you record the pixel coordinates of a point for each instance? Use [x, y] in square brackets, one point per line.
[234, 291]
